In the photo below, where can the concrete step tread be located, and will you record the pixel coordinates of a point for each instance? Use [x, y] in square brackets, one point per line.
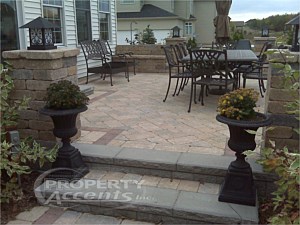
[184, 162]
[136, 201]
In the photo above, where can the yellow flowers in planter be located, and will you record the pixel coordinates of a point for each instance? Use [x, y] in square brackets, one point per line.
[238, 104]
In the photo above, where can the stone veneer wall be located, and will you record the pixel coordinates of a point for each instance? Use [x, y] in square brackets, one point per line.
[149, 58]
[259, 42]
[276, 99]
[33, 72]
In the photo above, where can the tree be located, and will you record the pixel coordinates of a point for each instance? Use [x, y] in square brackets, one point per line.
[148, 36]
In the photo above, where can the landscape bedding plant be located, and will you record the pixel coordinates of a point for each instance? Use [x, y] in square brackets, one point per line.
[15, 160]
[239, 104]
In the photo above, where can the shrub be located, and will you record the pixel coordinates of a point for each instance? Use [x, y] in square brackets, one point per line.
[148, 36]
[65, 95]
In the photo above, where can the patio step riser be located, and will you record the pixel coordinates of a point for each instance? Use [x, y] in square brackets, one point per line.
[176, 165]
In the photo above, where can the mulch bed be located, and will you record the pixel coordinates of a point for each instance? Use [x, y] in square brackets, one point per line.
[10, 210]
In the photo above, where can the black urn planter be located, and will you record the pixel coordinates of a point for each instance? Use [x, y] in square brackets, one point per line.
[65, 128]
[238, 186]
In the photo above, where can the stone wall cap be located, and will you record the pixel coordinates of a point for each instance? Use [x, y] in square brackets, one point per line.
[14, 54]
[290, 57]
[264, 38]
[41, 54]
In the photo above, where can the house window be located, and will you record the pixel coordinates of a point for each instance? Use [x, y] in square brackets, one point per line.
[52, 11]
[104, 15]
[127, 1]
[188, 28]
[83, 17]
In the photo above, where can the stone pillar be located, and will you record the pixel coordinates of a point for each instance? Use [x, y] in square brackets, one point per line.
[259, 42]
[174, 41]
[277, 97]
[33, 72]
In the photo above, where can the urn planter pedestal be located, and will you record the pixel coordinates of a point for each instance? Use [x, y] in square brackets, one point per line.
[68, 156]
[238, 186]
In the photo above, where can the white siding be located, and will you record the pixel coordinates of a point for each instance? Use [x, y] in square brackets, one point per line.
[70, 24]
[81, 66]
[31, 9]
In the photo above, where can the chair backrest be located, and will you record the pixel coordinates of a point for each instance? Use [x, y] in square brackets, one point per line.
[179, 53]
[208, 62]
[170, 55]
[92, 50]
[183, 48]
[243, 44]
[225, 45]
[262, 57]
[105, 47]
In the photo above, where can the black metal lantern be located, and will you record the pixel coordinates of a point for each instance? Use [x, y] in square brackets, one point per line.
[176, 31]
[41, 34]
[265, 32]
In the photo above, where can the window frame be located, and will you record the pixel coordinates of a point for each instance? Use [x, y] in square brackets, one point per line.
[89, 22]
[188, 27]
[108, 13]
[62, 22]
[125, 2]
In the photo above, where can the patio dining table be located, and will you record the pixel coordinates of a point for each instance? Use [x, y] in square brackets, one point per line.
[236, 56]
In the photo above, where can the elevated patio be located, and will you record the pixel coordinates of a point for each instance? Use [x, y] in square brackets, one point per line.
[133, 115]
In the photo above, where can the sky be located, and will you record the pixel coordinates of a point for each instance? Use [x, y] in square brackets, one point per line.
[244, 10]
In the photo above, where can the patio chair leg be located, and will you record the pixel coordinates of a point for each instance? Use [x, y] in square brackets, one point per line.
[195, 93]
[202, 94]
[167, 90]
[176, 87]
[87, 78]
[111, 84]
[191, 97]
[260, 87]
[244, 82]
[180, 87]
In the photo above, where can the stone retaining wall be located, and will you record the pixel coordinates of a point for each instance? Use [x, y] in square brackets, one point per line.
[33, 72]
[149, 58]
[259, 42]
[276, 100]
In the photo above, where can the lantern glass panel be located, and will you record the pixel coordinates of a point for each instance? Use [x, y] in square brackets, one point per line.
[48, 37]
[36, 36]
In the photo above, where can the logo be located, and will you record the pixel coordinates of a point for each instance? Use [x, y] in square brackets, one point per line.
[49, 189]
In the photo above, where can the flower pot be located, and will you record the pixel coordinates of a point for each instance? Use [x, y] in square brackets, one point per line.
[65, 127]
[238, 186]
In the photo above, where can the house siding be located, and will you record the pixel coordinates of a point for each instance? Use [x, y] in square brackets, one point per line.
[32, 9]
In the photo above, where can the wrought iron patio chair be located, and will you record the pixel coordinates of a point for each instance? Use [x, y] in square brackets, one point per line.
[210, 67]
[176, 70]
[256, 71]
[120, 57]
[243, 44]
[93, 51]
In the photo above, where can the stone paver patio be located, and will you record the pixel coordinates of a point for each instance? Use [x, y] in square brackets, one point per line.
[134, 115]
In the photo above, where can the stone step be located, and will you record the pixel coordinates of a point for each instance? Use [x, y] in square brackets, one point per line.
[175, 165]
[145, 198]
[87, 89]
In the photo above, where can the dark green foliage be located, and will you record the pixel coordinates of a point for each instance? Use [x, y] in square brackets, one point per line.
[65, 95]
[148, 36]
[275, 23]
[191, 43]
